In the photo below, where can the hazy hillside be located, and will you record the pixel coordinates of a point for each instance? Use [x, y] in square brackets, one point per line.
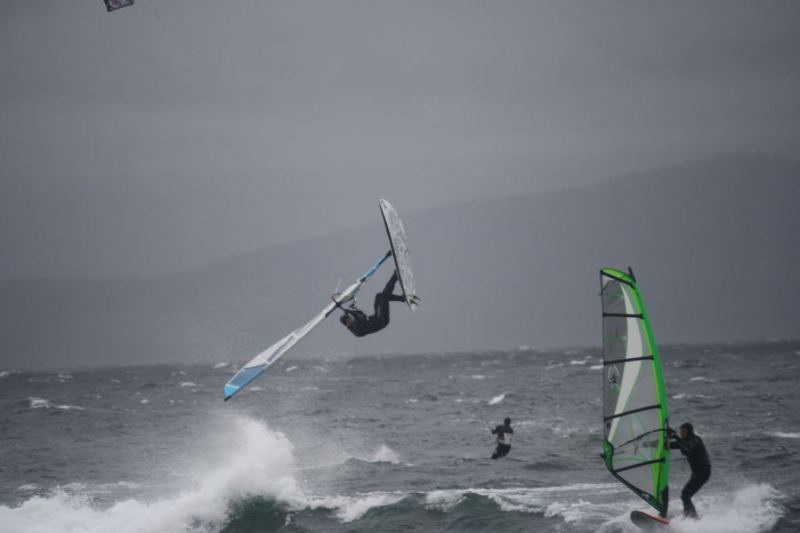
[713, 243]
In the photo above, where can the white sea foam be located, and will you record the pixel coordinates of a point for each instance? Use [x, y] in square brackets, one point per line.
[69, 407]
[527, 500]
[5, 373]
[751, 509]
[292, 368]
[444, 500]
[43, 403]
[784, 435]
[477, 376]
[497, 399]
[350, 508]
[38, 403]
[189, 384]
[385, 454]
[685, 396]
[259, 462]
[110, 487]
[222, 364]
[382, 454]
[596, 367]
[703, 379]
[581, 361]
[576, 511]
[145, 401]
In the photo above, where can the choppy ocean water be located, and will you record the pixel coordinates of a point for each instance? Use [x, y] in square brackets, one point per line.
[386, 444]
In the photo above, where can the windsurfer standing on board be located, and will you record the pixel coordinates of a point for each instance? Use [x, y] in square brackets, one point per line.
[693, 448]
[357, 320]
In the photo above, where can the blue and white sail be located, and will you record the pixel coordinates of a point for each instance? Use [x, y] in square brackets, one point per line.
[256, 366]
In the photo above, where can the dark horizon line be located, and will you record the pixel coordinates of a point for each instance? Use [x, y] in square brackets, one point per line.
[233, 366]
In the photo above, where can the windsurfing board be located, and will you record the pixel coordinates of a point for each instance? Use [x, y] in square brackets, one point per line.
[648, 522]
[402, 258]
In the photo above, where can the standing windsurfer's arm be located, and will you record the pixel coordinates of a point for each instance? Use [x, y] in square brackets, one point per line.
[672, 439]
[685, 446]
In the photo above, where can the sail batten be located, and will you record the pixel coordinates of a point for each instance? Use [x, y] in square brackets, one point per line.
[635, 414]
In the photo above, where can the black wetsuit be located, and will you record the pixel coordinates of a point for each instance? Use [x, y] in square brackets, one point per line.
[695, 452]
[363, 324]
[503, 433]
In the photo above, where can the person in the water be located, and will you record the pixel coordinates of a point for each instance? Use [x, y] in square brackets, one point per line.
[357, 320]
[693, 448]
[504, 432]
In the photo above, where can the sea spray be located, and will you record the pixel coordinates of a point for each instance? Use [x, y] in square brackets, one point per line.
[259, 462]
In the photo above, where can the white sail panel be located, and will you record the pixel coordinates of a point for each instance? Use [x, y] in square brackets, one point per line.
[258, 364]
[634, 398]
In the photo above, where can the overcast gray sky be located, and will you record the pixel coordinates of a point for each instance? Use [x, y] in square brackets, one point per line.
[173, 133]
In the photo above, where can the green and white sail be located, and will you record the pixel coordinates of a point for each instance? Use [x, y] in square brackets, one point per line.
[635, 417]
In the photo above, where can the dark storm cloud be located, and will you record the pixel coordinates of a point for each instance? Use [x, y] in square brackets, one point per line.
[169, 134]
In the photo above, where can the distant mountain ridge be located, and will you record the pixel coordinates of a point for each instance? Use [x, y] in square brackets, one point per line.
[713, 242]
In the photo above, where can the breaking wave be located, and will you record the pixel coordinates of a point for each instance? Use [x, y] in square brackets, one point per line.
[784, 435]
[497, 399]
[260, 464]
[42, 403]
[255, 484]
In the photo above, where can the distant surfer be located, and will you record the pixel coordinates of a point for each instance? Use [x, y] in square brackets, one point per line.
[504, 432]
[693, 448]
[357, 320]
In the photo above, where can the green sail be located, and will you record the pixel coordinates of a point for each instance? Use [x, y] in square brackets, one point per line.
[635, 417]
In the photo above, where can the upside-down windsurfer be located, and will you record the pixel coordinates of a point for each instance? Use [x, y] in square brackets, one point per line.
[357, 320]
[693, 448]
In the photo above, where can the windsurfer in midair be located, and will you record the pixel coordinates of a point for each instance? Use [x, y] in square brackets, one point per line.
[357, 320]
[693, 448]
[503, 432]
